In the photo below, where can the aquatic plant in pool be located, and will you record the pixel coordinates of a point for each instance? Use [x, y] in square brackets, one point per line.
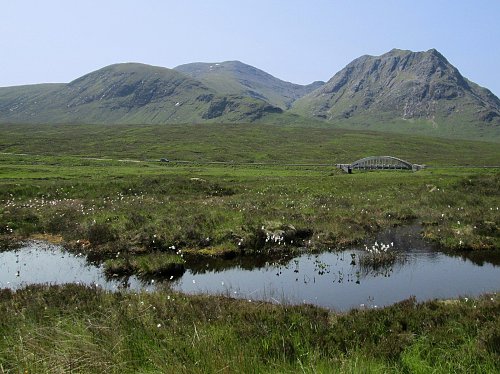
[379, 256]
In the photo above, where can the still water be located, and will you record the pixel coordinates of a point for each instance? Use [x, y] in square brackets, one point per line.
[335, 280]
[42, 263]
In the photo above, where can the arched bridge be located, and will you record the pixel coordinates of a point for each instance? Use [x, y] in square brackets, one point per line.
[380, 163]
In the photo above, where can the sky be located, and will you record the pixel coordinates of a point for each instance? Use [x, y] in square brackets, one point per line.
[297, 41]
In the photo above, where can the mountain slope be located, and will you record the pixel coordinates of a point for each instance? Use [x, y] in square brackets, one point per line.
[127, 93]
[400, 91]
[235, 77]
[419, 87]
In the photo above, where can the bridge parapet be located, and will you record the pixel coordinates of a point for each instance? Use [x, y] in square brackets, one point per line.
[380, 163]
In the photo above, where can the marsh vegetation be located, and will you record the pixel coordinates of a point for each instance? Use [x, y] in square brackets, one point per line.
[114, 203]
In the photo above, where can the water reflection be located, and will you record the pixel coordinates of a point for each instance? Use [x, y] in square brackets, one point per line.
[337, 280]
[333, 281]
[341, 280]
[43, 263]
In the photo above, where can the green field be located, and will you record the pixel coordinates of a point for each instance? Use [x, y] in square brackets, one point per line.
[275, 180]
[51, 183]
[250, 143]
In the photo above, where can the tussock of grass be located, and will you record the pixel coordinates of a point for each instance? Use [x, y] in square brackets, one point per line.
[227, 251]
[151, 264]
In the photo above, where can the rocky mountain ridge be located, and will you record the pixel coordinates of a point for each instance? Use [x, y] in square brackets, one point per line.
[128, 93]
[400, 91]
[401, 85]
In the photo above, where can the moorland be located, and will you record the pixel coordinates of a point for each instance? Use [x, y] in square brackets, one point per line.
[103, 191]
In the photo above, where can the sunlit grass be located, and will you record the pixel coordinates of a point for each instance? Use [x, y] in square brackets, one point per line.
[74, 328]
[134, 209]
[143, 216]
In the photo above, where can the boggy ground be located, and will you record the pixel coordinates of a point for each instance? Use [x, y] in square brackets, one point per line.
[171, 212]
[141, 214]
[85, 330]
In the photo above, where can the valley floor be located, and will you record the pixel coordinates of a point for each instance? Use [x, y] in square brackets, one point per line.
[138, 215]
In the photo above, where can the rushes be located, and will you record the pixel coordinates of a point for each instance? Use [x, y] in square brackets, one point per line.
[378, 256]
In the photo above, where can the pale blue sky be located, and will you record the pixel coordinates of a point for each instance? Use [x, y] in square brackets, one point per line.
[297, 41]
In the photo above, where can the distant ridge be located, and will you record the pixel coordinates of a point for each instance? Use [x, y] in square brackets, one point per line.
[238, 78]
[399, 91]
[128, 93]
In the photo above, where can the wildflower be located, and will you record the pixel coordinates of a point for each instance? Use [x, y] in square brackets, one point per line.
[158, 325]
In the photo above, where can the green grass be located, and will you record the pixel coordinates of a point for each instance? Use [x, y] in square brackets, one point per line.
[250, 143]
[139, 215]
[111, 206]
[76, 329]
[151, 264]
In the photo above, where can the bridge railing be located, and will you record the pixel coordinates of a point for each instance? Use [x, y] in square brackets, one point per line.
[380, 163]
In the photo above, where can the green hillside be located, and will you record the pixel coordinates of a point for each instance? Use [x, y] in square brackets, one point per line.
[247, 143]
[127, 93]
[238, 78]
[408, 92]
[401, 92]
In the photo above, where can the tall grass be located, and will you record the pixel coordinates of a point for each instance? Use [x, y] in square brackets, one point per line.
[77, 329]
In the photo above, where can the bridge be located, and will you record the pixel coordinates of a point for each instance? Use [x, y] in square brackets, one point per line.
[380, 163]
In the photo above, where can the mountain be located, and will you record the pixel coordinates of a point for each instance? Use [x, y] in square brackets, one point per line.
[420, 88]
[128, 93]
[237, 78]
[400, 91]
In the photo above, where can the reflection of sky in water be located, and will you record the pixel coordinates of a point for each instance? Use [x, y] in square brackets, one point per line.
[329, 279]
[44, 263]
[424, 275]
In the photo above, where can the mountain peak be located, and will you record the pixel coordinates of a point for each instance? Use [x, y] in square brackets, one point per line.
[416, 91]
[401, 84]
[126, 68]
[238, 78]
